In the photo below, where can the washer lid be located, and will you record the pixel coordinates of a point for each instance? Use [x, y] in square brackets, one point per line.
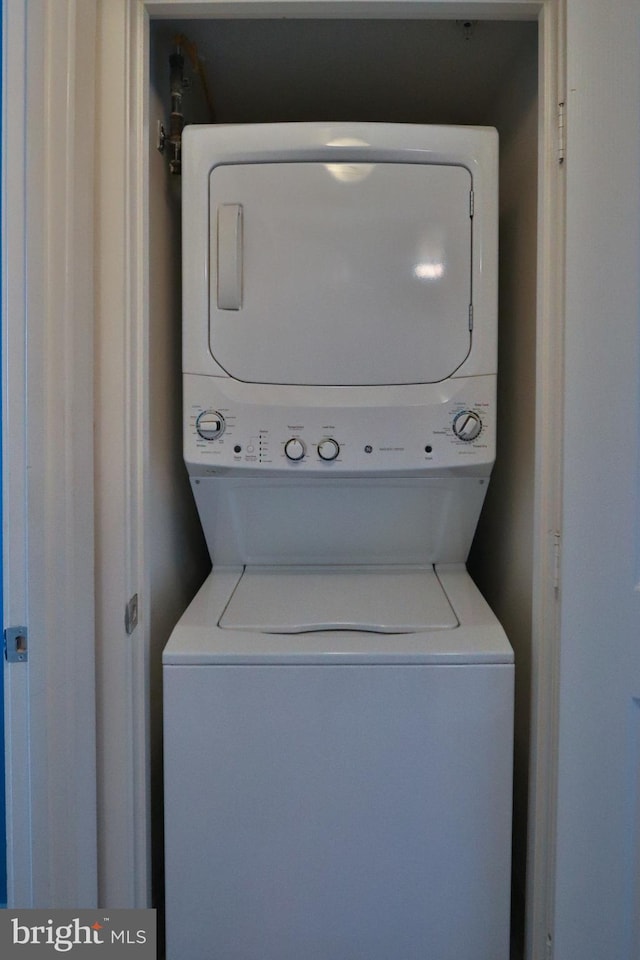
[392, 599]
[340, 274]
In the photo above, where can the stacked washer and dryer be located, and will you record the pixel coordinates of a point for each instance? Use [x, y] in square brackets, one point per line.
[338, 697]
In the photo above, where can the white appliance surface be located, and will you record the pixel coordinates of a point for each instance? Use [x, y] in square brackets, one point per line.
[376, 599]
[339, 254]
[433, 616]
[329, 521]
[338, 794]
[377, 259]
[338, 697]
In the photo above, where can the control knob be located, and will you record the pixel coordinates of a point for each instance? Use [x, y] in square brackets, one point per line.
[210, 425]
[328, 449]
[295, 449]
[467, 425]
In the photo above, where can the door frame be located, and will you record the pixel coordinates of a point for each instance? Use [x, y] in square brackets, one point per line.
[53, 281]
[47, 437]
[128, 276]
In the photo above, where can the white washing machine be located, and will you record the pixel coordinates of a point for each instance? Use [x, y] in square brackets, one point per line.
[338, 698]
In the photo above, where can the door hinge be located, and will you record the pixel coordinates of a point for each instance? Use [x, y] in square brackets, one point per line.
[556, 561]
[470, 316]
[15, 644]
[561, 132]
[471, 203]
[131, 614]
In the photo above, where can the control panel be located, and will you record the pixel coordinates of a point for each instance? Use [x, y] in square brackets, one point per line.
[442, 428]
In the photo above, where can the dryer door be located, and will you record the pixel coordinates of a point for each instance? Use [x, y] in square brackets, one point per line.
[340, 274]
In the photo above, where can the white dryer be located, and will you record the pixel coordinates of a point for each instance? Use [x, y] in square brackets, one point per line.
[338, 698]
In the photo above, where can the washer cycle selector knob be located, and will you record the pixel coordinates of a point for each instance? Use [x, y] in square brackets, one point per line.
[328, 449]
[210, 425]
[295, 449]
[467, 425]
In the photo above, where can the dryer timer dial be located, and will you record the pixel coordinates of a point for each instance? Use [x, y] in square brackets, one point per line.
[210, 425]
[467, 425]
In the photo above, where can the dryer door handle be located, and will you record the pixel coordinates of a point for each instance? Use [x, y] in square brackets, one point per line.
[229, 266]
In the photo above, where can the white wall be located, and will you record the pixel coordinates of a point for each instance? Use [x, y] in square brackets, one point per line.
[598, 850]
[48, 124]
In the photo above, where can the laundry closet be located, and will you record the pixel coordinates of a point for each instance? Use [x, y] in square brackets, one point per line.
[411, 71]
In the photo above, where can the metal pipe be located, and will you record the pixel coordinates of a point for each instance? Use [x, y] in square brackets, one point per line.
[176, 123]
